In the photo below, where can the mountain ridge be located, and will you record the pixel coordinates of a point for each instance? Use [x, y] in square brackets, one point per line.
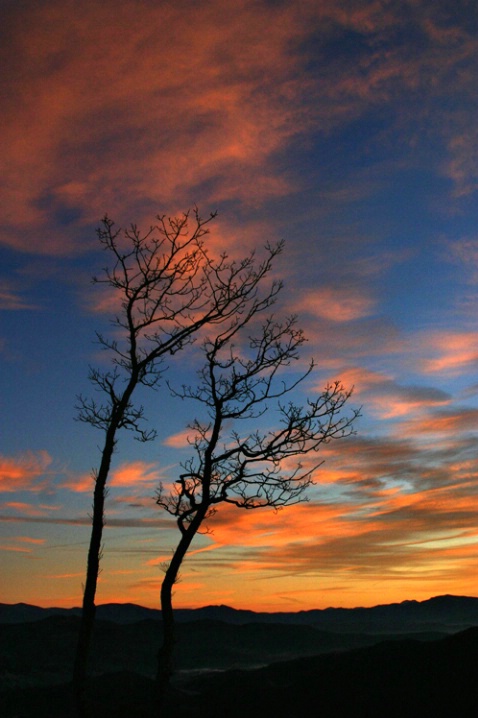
[447, 610]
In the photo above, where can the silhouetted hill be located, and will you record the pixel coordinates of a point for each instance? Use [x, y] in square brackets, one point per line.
[452, 613]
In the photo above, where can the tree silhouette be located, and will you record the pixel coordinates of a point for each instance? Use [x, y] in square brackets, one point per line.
[242, 386]
[166, 287]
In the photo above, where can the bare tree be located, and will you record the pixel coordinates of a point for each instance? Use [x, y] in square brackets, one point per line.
[239, 463]
[168, 287]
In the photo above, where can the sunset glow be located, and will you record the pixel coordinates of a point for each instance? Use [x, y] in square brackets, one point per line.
[349, 130]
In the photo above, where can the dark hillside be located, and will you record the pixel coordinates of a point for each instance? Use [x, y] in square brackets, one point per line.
[399, 679]
[41, 652]
[393, 679]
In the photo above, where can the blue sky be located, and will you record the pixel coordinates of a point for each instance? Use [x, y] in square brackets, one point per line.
[349, 130]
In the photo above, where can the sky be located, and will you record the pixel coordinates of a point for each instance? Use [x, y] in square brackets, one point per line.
[348, 129]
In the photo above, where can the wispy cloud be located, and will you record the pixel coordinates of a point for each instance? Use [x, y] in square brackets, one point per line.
[23, 544]
[17, 549]
[11, 298]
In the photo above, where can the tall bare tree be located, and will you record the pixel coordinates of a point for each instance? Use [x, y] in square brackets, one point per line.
[167, 287]
[242, 388]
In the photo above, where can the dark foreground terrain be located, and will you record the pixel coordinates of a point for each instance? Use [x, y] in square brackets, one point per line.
[272, 669]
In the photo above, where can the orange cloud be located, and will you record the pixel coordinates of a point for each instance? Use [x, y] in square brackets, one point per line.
[81, 483]
[428, 532]
[32, 471]
[135, 473]
[266, 527]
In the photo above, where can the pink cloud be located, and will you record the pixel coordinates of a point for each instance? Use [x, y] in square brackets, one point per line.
[334, 346]
[451, 422]
[179, 440]
[21, 540]
[28, 539]
[21, 506]
[388, 398]
[453, 352]
[17, 549]
[337, 304]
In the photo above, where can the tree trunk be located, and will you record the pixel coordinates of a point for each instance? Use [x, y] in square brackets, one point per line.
[166, 651]
[92, 570]
[165, 667]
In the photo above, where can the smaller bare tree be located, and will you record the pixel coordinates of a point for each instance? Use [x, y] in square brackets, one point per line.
[249, 467]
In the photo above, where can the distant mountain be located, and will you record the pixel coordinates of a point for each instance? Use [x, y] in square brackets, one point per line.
[449, 613]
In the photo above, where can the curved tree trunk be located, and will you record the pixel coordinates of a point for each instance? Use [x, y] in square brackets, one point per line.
[165, 667]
